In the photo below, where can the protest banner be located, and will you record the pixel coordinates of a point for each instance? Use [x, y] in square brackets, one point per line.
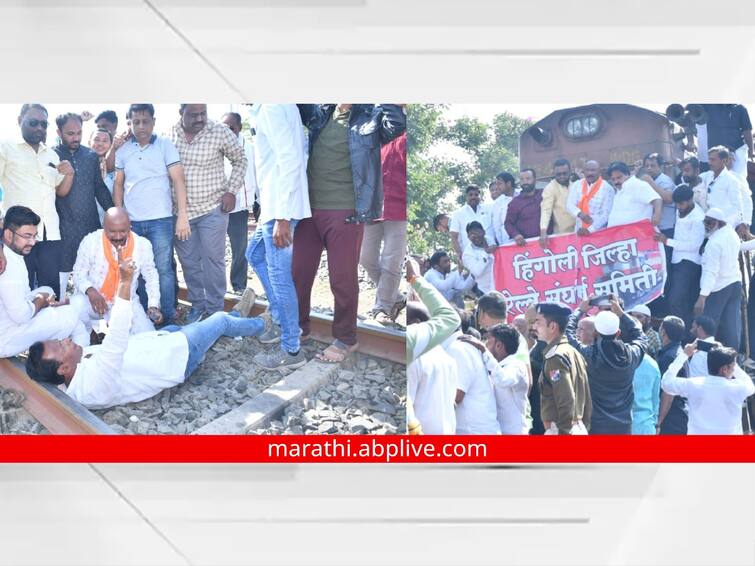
[623, 260]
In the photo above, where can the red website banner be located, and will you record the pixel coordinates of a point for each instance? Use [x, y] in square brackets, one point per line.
[623, 260]
[377, 449]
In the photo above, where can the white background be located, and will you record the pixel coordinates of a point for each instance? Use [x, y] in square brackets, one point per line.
[231, 51]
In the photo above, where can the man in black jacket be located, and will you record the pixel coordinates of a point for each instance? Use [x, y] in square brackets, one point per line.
[611, 363]
[345, 180]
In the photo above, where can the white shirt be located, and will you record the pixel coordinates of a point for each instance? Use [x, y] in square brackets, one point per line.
[464, 216]
[281, 162]
[447, 284]
[689, 234]
[431, 386]
[744, 187]
[599, 205]
[127, 369]
[498, 218]
[91, 267]
[476, 414]
[632, 203]
[714, 402]
[245, 198]
[720, 261]
[511, 397]
[480, 265]
[16, 307]
[698, 363]
[725, 192]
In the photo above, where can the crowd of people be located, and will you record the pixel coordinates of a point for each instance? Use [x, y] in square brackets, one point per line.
[109, 221]
[668, 367]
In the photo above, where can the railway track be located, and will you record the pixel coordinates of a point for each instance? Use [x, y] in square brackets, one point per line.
[384, 343]
[59, 414]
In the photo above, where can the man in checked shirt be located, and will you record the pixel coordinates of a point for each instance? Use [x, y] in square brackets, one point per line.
[203, 145]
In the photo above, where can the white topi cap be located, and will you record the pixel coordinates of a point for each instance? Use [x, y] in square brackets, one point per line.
[606, 323]
[640, 309]
[716, 214]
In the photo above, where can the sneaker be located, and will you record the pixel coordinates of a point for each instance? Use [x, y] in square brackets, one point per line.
[271, 335]
[246, 302]
[749, 363]
[280, 359]
[195, 315]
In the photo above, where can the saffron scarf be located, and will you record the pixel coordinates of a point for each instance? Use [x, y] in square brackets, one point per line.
[584, 203]
[113, 274]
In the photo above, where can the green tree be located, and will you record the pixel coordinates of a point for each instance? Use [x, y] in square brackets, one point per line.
[432, 178]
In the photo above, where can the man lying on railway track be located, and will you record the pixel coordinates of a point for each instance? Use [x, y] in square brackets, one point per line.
[126, 369]
[27, 316]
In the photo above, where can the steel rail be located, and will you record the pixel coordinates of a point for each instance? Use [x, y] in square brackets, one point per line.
[383, 343]
[52, 408]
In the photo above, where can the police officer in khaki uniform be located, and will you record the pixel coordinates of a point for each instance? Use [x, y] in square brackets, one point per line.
[565, 404]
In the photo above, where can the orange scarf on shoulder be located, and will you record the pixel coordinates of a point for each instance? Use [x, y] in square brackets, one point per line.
[584, 203]
[113, 275]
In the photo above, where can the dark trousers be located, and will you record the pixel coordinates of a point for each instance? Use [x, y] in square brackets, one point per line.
[328, 230]
[238, 235]
[44, 263]
[724, 307]
[683, 290]
[661, 307]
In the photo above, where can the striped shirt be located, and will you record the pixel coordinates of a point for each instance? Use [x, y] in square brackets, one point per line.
[204, 165]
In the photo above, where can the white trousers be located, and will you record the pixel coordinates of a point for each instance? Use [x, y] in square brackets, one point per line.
[740, 162]
[51, 323]
[140, 322]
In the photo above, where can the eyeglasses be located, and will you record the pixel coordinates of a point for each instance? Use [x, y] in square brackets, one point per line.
[27, 237]
[32, 123]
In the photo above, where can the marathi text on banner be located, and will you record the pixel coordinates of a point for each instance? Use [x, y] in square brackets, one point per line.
[623, 260]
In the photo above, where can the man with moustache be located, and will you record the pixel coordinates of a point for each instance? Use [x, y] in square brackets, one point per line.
[523, 214]
[95, 274]
[451, 284]
[724, 190]
[634, 201]
[502, 193]
[472, 211]
[692, 178]
[32, 175]
[664, 187]
[553, 207]
[78, 209]
[203, 146]
[25, 315]
[685, 266]
[149, 182]
[590, 200]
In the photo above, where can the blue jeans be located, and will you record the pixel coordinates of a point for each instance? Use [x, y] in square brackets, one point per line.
[159, 232]
[273, 266]
[203, 334]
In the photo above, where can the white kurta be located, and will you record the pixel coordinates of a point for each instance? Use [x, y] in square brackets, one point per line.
[431, 387]
[127, 369]
[20, 324]
[90, 270]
